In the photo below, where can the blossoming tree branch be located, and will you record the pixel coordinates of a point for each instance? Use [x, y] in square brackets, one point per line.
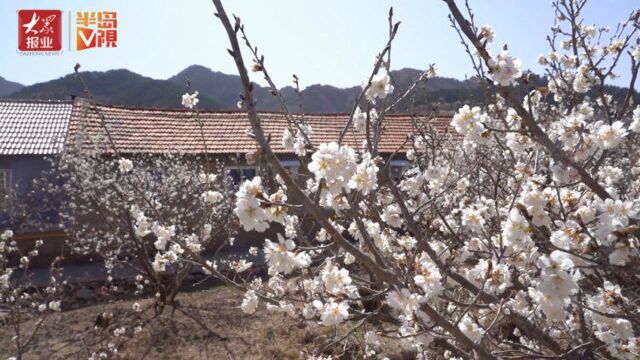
[521, 243]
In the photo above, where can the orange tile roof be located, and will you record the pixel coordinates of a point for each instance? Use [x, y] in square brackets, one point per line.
[145, 130]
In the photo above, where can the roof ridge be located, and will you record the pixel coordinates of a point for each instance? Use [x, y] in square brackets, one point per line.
[234, 111]
[203, 111]
[36, 101]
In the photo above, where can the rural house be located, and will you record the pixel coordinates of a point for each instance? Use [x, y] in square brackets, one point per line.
[161, 131]
[31, 132]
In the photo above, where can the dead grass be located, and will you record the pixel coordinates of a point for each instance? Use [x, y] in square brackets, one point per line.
[231, 334]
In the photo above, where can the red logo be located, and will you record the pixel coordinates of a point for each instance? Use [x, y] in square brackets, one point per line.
[40, 30]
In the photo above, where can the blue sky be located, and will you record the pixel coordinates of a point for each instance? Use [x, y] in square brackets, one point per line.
[326, 42]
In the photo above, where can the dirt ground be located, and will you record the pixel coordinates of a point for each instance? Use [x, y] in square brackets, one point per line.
[181, 334]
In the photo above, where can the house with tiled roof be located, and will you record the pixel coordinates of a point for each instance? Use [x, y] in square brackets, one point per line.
[31, 132]
[145, 130]
[226, 133]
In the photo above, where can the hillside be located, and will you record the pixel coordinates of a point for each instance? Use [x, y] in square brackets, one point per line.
[225, 88]
[8, 87]
[221, 91]
[121, 87]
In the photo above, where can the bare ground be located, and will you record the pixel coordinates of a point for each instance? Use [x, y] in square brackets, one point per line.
[178, 334]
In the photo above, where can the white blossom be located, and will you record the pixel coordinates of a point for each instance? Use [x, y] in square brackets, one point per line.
[334, 313]
[365, 177]
[470, 328]
[487, 33]
[505, 69]
[635, 123]
[583, 80]
[190, 100]
[380, 86]
[335, 279]
[620, 255]
[609, 136]
[392, 216]
[212, 197]
[428, 276]
[125, 165]
[249, 302]
[6, 235]
[54, 305]
[334, 163]
[405, 301]
[281, 258]
[469, 122]
[248, 206]
[636, 53]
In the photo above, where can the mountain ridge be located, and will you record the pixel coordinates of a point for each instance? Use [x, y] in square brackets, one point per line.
[217, 90]
[220, 91]
[119, 86]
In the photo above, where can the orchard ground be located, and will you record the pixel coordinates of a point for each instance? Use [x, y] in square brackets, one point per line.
[173, 335]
